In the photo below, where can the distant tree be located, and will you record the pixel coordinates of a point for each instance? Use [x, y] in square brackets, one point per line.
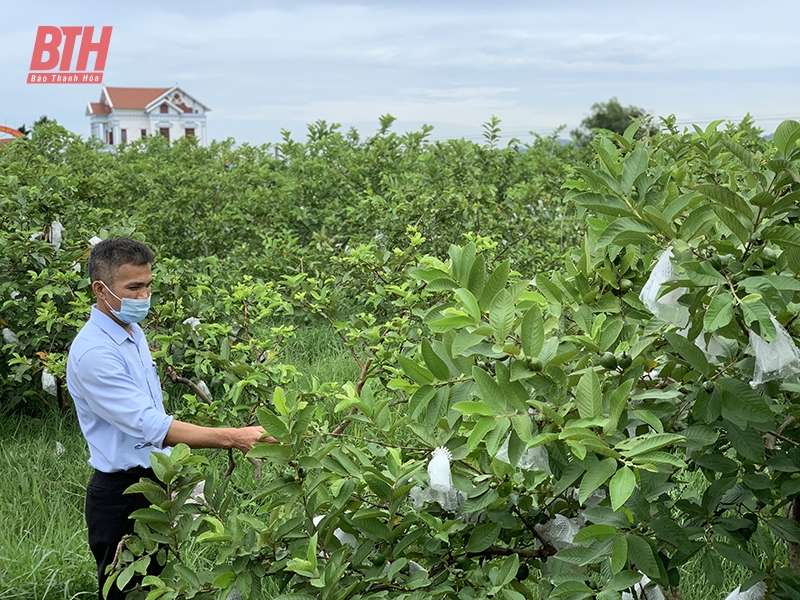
[609, 115]
[40, 121]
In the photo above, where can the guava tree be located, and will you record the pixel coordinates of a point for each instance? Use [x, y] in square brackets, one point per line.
[589, 441]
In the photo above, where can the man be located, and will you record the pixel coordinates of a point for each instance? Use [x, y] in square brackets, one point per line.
[117, 394]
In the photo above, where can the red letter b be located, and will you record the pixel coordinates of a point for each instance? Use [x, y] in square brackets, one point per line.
[43, 45]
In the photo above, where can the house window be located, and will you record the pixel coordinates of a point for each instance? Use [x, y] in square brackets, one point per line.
[111, 137]
[164, 108]
[189, 132]
[165, 132]
[144, 133]
[123, 135]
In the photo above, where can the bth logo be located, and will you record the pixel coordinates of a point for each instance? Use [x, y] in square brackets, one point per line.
[54, 49]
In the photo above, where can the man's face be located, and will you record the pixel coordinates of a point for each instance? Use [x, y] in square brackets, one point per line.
[132, 281]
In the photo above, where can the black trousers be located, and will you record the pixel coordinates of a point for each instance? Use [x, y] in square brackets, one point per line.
[108, 513]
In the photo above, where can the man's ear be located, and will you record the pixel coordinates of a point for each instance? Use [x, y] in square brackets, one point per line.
[97, 288]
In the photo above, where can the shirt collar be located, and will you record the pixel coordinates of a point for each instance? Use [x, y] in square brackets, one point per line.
[104, 322]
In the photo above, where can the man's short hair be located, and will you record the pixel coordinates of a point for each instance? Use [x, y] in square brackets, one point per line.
[109, 255]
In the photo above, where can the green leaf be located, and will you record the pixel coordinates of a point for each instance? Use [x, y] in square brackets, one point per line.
[786, 136]
[463, 341]
[727, 198]
[596, 476]
[732, 222]
[490, 391]
[496, 282]
[621, 487]
[640, 554]
[691, 354]
[418, 403]
[589, 396]
[479, 431]
[507, 571]
[784, 528]
[471, 409]
[532, 332]
[624, 580]
[619, 554]
[744, 406]
[417, 373]
[501, 315]
[737, 556]
[273, 425]
[435, 364]
[482, 537]
[703, 274]
[628, 230]
[785, 236]
[477, 276]
[648, 443]
[635, 164]
[719, 312]
[470, 303]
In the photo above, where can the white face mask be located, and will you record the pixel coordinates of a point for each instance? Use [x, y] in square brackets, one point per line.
[131, 310]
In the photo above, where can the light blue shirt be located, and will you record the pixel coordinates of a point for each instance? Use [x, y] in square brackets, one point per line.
[115, 387]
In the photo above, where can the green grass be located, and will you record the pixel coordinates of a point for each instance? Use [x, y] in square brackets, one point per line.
[44, 551]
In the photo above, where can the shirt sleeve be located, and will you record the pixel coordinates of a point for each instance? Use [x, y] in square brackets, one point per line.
[114, 396]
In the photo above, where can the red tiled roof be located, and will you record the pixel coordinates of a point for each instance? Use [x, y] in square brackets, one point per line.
[133, 97]
[99, 108]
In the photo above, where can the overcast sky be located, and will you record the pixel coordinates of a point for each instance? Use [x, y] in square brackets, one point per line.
[267, 66]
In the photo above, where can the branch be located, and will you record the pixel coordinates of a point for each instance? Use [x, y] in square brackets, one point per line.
[361, 381]
[498, 551]
[175, 378]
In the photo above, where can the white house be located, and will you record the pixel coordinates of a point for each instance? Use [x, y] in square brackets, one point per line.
[129, 114]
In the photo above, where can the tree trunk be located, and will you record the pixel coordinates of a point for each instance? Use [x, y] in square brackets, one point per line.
[793, 550]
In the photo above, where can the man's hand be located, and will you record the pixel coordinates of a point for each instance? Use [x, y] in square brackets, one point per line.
[246, 437]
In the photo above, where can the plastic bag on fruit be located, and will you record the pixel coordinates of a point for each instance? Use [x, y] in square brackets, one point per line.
[9, 337]
[665, 307]
[339, 534]
[560, 531]
[49, 383]
[774, 360]
[756, 592]
[533, 459]
[56, 235]
[641, 591]
[441, 488]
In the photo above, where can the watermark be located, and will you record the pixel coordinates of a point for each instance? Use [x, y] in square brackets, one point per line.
[54, 49]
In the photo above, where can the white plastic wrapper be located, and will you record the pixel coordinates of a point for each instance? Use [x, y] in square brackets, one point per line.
[234, 595]
[774, 360]
[56, 235]
[560, 531]
[197, 496]
[533, 459]
[9, 337]
[342, 536]
[642, 592]
[192, 322]
[49, 383]
[204, 388]
[666, 307]
[94, 240]
[59, 449]
[441, 488]
[757, 592]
